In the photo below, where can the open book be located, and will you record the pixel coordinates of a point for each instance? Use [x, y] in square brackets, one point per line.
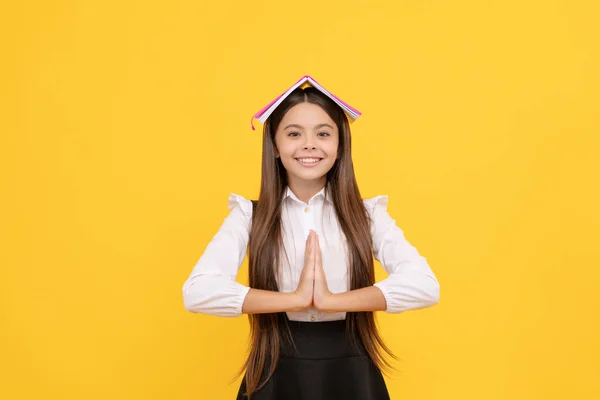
[306, 80]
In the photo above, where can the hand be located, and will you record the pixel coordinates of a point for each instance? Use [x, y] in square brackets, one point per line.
[305, 288]
[321, 295]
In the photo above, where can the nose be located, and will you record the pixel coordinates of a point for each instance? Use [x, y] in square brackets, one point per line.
[308, 143]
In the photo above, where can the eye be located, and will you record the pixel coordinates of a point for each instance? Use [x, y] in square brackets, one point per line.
[326, 133]
[292, 133]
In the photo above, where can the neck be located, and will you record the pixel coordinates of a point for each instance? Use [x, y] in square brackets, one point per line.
[306, 190]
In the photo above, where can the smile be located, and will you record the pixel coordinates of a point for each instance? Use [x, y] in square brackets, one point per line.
[308, 162]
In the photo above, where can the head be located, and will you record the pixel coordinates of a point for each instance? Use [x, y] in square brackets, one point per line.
[306, 137]
[307, 124]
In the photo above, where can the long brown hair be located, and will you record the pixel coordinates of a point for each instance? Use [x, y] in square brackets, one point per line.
[267, 333]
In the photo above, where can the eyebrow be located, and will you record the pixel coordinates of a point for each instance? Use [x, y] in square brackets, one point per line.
[301, 127]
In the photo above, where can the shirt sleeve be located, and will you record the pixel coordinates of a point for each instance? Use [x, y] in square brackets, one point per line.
[211, 288]
[411, 284]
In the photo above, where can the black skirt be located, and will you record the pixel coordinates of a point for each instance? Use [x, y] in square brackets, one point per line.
[326, 366]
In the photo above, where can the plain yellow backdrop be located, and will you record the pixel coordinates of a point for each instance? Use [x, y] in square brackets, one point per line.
[124, 126]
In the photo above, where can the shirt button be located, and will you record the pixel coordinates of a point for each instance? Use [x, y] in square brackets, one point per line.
[312, 318]
[306, 209]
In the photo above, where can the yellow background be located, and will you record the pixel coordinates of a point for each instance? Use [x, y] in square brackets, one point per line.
[124, 126]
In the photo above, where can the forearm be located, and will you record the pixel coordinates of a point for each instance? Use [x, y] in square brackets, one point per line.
[259, 301]
[365, 299]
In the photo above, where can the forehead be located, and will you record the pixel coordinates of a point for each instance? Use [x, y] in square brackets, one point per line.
[306, 114]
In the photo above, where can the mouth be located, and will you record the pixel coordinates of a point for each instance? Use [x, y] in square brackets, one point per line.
[308, 162]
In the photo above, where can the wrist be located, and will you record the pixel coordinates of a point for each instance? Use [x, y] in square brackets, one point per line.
[327, 303]
[300, 302]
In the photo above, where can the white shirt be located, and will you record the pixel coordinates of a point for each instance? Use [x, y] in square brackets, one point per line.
[211, 288]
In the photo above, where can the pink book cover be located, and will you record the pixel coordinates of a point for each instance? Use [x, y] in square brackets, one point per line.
[340, 102]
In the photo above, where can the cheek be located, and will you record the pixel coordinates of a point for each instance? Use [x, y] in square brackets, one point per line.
[332, 149]
[286, 155]
[286, 151]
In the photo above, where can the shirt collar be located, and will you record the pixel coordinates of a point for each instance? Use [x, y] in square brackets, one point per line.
[290, 194]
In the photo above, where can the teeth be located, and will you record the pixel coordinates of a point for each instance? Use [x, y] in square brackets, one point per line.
[308, 160]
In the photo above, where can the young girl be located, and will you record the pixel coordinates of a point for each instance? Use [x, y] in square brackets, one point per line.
[311, 240]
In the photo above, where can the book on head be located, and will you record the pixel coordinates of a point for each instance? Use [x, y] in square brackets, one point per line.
[306, 80]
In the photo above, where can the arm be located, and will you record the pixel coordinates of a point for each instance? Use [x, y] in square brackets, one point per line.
[266, 301]
[364, 299]
[211, 288]
[411, 284]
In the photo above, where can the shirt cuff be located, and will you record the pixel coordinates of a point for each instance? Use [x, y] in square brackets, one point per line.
[388, 299]
[238, 301]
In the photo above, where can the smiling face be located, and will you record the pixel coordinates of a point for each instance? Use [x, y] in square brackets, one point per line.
[307, 144]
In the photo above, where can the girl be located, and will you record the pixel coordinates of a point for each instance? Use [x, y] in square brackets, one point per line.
[310, 239]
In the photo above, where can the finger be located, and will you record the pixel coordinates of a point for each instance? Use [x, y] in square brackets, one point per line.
[307, 247]
[312, 257]
[308, 253]
[318, 257]
[316, 244]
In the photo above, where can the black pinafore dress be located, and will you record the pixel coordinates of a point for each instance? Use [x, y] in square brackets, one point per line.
[326, 366]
